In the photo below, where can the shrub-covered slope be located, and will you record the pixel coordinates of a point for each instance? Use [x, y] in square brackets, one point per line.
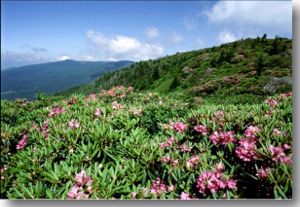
[119, 144]
[242, 71]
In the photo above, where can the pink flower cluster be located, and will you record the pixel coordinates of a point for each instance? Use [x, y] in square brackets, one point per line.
[159, 186]
[219, 114]
[136, 112]
[192, 162]
[212, 181]
[98, 112]
[246, 149]
[222, 138]
[56, 111]
[278, 154]
[251, 131]
[22, 142]
[83, 187]
[44, 129]
[262, 173]
[201, 129]
[118, 91]
[167, 143]
[179, 127]
[285, 95]
[185, 148]
[277, 132]
[271, 102]
[185, 196]
[169, 160]
[73, 124]
[129, 89]
[111, 92]
[92, 97]
[117, 106]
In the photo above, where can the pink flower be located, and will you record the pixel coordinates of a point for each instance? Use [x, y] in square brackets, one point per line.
[185, 196]
[287, 160]
[271, 102]
[286, 146]
[130, 89]
[121, 88]
[185, 148]
[136, 112]
[73, 124]
[171, 188]
[262, 173]
[22, 142]
[83, 179]
[251, 131]
[220, 167]
[133, 194]
[167, 143]
[98, 112]
[219, 114]
[277, 132]
[231, 184]
[192, 162]
[246, 150]
[179, 127]
[222, 138]
[111, 92]
[44, 129]
[278, 154]
[285, 95]
[56, 111]
[158, 187]
[167, 160]
[117, 106]
[209, 182]
[92, 97]
[201, 129]
[73, 193]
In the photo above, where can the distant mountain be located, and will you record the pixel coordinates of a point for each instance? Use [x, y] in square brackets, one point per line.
[26, 81]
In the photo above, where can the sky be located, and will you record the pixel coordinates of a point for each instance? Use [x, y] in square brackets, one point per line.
[43, 31]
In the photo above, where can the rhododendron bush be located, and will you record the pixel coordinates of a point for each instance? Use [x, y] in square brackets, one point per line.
[120, 144]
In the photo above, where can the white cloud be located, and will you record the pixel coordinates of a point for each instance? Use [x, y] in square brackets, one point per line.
[273, 16]
[152, 32]
[15, 59]
[226, 36]
[64, 57]
[124, 47]
[176, 38]
[88, 58]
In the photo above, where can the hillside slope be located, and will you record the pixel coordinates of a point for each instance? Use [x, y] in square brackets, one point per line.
[242, 71]
[26, 81]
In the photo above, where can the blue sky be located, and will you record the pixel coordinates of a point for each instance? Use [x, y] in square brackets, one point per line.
[37, 31]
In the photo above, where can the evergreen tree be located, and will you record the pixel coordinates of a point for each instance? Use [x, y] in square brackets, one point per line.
[264, 36]
[259, 65]
[175, 83]
[274, 50]
[155, 74]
